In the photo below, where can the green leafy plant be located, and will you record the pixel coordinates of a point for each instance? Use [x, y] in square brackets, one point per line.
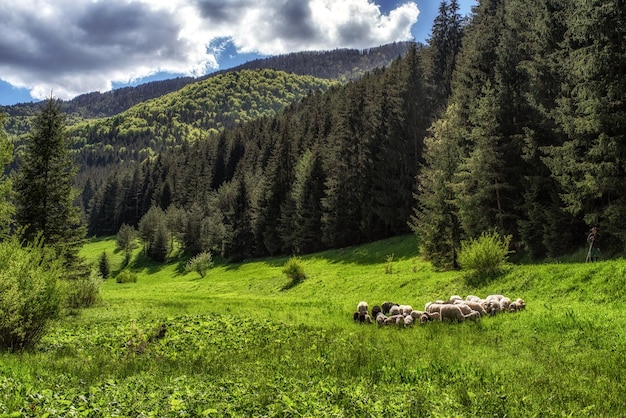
[389, 265]
[83, 292]
[294, 271]
[30, 295]
[201, 263]
[484, 258]
[126, 277]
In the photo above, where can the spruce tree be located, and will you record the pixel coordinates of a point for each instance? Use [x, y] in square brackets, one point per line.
[45, 184]
[7, 209]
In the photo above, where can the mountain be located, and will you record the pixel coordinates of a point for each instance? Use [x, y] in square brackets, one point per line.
[338, 64]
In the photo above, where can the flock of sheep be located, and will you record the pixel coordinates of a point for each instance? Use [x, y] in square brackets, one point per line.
[455, 309]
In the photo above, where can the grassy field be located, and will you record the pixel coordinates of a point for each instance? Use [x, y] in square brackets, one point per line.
[239, 342]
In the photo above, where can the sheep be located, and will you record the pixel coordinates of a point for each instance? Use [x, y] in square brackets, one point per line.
[473, 316]
[380, 319]
[394, 310]
[464, 308]
[504, 304]
[494, 298]
[416, 314]
[355, 316]
[475, 306]
[408, 321]
[513, 307]
[392, 320]
[521, 304]
[493, 307]
[386, 307]
[368, 319]
[454, 298]
[400, 320]
[428, 317]
[375, 311]
[362, 307]
[434, 307]
[451, 313]
[472, 298]
[407, 309]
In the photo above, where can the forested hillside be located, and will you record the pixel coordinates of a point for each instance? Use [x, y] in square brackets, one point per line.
[339, 64]
[195, 112]
[524, 105]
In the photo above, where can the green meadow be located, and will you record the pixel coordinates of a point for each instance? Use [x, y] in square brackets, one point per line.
[241, 342]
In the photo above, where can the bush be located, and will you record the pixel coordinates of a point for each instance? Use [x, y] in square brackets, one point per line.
[126, 277]
[294, 271]
[30, 294]
[84, 292]
[201, 263]
[484, 258]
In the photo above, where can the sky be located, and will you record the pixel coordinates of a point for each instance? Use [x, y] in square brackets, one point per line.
[63, 48]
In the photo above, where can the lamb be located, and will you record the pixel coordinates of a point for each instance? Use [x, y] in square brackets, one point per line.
[362, 307]
[408, 321]
[375, 311]
[380, 319]
[451, 313]
[521, 304]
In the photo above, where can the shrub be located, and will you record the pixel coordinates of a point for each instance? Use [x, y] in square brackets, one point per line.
[484, 258]
[126, 277]
[294, 271]
[83, 292]
[30, 294]
[201, 263]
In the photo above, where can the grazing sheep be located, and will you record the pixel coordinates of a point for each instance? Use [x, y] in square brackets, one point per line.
[407, 309]
[395, 310]
[368, 319]
[392, 320]
[454, 298]
[400, 320]
[493, 307]
[375, 311]
[380, 319]
[355, 316]
[513, 307]
[473, 316]
[386, 307]
[416, 314]
[521, 304]
[428, 317]
[362, 307]
[494, 298]
[472, 298]
[475, 306]
[504, 304]
[408, 321]
[451, 313]
[362, 317]
[434, 307]
[464, 308]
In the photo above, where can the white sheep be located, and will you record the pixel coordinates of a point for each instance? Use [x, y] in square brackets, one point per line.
[464, 308]
[475, 306]
[451, 313]
[473, 316]
[408, 321]
[394, 310]
[505, 303]
[416, 314]
[362, 307]
[380, 319]
[521, 304]
[407, 309]
[472, 298]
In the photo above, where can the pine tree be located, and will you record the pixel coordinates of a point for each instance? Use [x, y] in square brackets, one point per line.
[7, 210]
[589, 165]
[45, 184]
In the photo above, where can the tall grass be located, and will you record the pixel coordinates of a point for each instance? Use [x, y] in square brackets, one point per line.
[236, 343]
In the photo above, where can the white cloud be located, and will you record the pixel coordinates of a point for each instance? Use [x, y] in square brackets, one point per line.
[69, 47]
